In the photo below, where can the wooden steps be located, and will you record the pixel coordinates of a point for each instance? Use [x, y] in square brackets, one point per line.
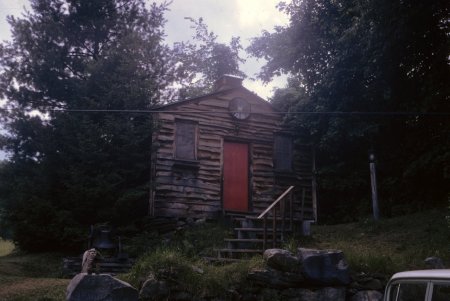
[249, 229]
[240, 240]
[248, 251]
[248, 238]
[252, 235]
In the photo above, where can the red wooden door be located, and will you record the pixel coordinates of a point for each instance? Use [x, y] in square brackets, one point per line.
[235, 176]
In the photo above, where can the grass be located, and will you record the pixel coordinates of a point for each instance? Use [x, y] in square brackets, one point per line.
[6, 247]
[30, 277]
[389, 245]
[36, 277]
[385, 247]
[201, 240]
[180, 260]
[197, 277]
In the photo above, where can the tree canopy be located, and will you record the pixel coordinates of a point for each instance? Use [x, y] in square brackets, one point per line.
[204, 60]
[71, 74]
[367, 56]
[71, 169]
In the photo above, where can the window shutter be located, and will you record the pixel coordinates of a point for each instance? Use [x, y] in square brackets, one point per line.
[185, 141]
[283, 153]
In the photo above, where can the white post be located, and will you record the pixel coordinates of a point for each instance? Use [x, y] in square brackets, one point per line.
[373, 184]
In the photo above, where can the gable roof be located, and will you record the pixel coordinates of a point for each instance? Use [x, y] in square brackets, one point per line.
[216, 93]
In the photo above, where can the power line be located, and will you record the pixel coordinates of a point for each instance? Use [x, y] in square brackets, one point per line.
[325, 113]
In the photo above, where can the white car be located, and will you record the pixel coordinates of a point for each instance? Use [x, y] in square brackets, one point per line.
[423, 285]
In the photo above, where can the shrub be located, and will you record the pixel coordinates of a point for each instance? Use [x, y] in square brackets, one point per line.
[193, 275]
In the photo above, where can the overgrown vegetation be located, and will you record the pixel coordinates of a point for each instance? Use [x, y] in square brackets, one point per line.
[6, 247]
[193, 274]
[371, 57]
[72, 164]
[180, 259]
[199, 241]
[381, 247]
[385, 247]
[390, 245]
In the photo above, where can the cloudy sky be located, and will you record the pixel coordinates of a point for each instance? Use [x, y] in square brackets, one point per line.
[243, 18]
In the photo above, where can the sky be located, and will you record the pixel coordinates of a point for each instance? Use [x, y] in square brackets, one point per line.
[243, 18]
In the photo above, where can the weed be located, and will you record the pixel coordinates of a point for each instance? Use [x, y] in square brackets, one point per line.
[292, 244]
[194, 275]
[388, 245]
[199, 240]
[6, 247]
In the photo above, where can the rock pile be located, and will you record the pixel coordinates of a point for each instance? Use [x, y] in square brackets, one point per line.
[312, 275]
[308, 275]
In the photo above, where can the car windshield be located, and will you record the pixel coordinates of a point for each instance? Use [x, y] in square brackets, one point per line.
[410, 291]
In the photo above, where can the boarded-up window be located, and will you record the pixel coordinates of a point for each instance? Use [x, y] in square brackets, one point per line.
[283, 152]
[185, 140]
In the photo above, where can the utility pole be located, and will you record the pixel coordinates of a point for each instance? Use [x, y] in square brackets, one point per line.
[373, 185]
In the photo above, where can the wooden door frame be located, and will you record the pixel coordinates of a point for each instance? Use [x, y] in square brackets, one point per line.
[250, 173]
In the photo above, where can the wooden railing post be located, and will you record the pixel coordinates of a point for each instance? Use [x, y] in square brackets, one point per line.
[303, 204]
[265, 232]
[291, 211]
[274, 226]
[283, 214]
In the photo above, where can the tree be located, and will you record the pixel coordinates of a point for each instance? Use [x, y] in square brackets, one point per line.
[204, 60]
[73, 166]
[367, 56]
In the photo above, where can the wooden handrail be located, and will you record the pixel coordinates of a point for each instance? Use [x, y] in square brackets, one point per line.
[275, 202]
[273, 207]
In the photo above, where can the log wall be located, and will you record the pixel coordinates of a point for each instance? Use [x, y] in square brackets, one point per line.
[194, 188]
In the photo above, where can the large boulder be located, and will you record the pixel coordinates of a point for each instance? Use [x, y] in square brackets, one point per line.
[102, 287]
[275, 279]
[324, 267]
[434, 262]
[322, 294]
[282, 260]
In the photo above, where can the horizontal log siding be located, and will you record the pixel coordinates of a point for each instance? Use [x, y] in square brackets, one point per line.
[197, 191]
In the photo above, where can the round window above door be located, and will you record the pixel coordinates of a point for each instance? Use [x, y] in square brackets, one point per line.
[239, 108]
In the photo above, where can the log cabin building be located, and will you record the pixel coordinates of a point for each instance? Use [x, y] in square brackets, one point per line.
[227, 151]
